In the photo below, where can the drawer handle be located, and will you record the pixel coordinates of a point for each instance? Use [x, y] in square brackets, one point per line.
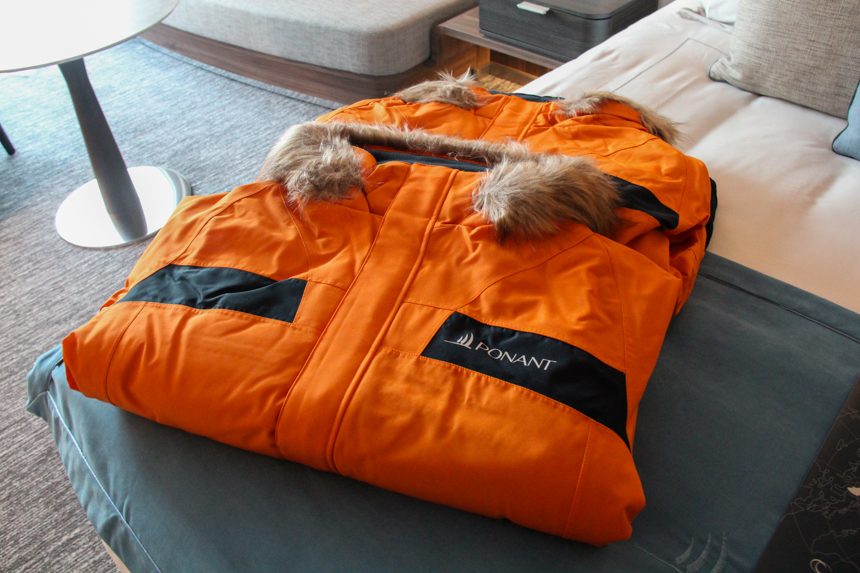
[536, 8]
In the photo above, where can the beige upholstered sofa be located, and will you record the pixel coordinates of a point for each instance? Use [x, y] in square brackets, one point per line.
[342, 51]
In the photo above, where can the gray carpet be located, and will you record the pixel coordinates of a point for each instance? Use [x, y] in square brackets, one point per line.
[212, 127]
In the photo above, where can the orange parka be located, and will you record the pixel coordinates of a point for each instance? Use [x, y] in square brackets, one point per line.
[432, 315]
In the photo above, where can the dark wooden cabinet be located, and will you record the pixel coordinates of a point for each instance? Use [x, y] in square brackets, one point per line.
[560, 29]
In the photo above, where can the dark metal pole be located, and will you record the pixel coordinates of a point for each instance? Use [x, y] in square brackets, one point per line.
[4, 141]
[121, 200]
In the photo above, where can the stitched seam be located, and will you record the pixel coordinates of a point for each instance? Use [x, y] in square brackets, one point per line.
[214, 264]
[651, 555]
[648, 139]
[532, 120]
[500, 279]
[482, 320]
[464, 225]
[171, 260]
[661, 60]
[208, 220]
[493, 283]
[327, 283]
[428, 337]
[299, 232]
[536, 396]
[429, 305]
[778, 305]
[374, 348]
[114, 349]
[232, 312]
[608, 155]
[96, 479]
[622, 304]
[687, 186]
[493, 120]
[578, 481]
[319, 341]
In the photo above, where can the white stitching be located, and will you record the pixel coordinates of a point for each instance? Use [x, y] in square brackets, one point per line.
[101, 487]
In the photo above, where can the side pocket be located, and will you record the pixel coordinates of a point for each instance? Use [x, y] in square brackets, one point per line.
[608, 493]
[545, 365]
[442, 433]
[215, 372]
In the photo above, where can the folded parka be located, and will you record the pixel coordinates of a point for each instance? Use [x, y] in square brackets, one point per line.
[443, 317]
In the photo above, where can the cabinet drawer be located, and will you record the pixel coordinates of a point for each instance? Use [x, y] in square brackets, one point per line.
[566, 30]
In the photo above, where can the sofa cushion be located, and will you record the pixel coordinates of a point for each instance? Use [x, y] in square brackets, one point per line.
[366, 37]
[804, 52]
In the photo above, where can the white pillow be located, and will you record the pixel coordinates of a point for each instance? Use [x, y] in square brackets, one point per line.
[725, 11]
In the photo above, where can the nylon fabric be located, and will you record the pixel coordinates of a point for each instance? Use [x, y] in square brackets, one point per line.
[352, 385]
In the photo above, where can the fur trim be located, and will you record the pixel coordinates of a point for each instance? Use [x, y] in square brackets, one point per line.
[525, 196]
[452, 90]
[447, 89]
[531, 198]
[313, 162]
[655, 123]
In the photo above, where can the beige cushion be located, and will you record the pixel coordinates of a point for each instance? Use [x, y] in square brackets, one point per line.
[803, 51]
[373, 37]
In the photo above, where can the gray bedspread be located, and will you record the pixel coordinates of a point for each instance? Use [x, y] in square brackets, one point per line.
[752, 374]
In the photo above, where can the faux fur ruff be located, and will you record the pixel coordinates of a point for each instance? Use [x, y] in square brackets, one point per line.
[456, 91]
[656, 124]
[525, 196]
[447, 89]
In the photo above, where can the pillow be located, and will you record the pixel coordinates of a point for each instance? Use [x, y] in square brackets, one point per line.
[803, 51]
[725, 11]
[848, 142]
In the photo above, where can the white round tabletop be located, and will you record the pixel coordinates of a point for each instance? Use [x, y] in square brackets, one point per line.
[36, 33]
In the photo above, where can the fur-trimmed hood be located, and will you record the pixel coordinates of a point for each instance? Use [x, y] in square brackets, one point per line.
[458, 91]
[525, 195]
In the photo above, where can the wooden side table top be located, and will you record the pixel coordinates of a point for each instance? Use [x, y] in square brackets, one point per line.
[36, 33]
[466, 27]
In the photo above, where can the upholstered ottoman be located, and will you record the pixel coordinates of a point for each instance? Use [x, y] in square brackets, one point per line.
[339, 50]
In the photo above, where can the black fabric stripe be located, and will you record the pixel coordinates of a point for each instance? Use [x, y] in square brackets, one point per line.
[545, 365]
[636, 197]
[528, 97]
[709, 226]
[221, 287]
[451, 163]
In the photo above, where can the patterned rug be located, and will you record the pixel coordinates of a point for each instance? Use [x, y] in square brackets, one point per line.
[165, 110]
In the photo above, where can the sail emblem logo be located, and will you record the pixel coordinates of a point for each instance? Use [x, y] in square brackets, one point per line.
[466, 341]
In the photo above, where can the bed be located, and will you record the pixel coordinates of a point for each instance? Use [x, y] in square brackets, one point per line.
[752, 375]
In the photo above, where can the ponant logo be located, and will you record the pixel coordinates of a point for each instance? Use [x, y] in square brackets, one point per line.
[467, 340]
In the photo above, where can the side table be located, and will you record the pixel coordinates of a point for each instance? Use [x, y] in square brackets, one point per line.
[120, 205]
[466, 27]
